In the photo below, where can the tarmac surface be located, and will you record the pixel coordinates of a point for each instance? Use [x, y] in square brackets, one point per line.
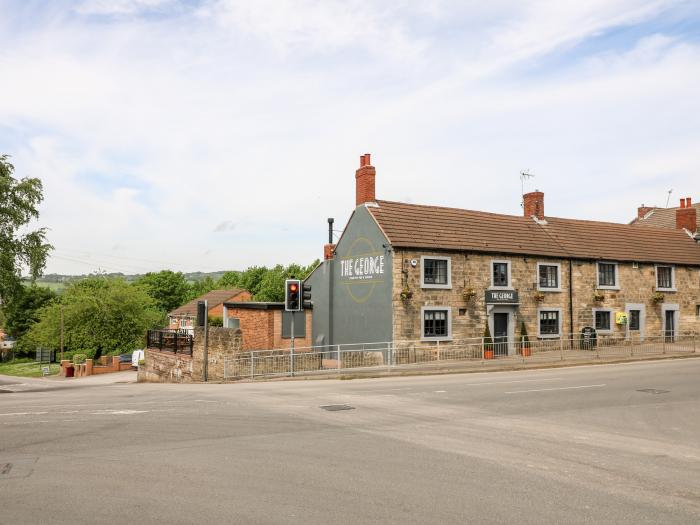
[616, 443]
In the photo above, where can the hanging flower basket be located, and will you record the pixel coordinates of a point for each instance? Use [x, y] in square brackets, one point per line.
[406, 294]
[539, 297]
[598, 297]
[657, 297]
[468, 294]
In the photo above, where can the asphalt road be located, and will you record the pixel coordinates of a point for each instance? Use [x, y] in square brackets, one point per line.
[574, 445]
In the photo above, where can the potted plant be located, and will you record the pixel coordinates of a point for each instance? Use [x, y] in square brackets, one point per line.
[539, 297]
[525, 340]
[657, 297]
[468, 294]
[488, 343]
[406, 294]
[598, 296]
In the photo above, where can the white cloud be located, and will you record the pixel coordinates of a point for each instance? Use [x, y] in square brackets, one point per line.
[250, 117]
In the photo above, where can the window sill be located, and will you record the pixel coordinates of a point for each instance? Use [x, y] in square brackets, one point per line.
[436, 286]
[549, 290]
[666, 290]
[608, 288]
[604, 331]
[446, 338]
[548, 336]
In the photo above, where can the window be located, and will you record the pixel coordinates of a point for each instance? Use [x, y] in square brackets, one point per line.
[602, 320]
[437, 322]
[500, 274]
[435, 272]
[549, 323]
[548, 276]
[665, 278]
[607, 275]
[633, 321]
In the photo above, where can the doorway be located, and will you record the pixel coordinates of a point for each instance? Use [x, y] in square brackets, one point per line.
[500, 334]
[669, 326]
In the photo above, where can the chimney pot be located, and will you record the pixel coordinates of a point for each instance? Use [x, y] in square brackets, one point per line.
[687, 202]
[682, 203]
[687, 217]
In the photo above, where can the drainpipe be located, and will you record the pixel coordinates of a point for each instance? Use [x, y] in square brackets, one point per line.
[571, 299]
[330, 284]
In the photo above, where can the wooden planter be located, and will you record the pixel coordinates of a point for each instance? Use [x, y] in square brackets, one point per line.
[488, 354]
[526, 352]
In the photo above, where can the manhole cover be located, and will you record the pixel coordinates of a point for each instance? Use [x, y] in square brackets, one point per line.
[5, 391]
[653, 391]
[335, 408]
[5, 468]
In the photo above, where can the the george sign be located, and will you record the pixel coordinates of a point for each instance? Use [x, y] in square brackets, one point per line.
[362, 268]
[502, 297]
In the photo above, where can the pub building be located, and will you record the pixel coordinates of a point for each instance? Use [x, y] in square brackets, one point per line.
[409, 272]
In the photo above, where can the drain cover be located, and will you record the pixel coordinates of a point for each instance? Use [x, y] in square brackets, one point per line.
[5, 391]
[653, 391]
[335, 408]
[5, 468]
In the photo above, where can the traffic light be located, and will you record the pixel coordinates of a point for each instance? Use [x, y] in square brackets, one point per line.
[305, 296]
[292, 292]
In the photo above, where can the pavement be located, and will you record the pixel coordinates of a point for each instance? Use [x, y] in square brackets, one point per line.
[613, 443]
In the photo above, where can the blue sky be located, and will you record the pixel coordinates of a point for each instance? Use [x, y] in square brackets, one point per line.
[217, 134]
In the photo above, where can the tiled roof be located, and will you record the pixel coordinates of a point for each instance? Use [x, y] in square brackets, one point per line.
[214, 298]
[433, 227]
[663, 217]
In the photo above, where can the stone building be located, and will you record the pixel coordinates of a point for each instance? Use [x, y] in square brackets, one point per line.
[687, 216]
[425, 273]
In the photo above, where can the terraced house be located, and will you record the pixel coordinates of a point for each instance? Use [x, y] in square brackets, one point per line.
[404, 272]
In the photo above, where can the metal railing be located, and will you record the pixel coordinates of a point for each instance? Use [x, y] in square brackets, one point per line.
[387, 355]
[175, 341]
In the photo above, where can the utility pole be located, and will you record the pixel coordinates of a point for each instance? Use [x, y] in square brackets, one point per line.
[61, 332]
[206, 341]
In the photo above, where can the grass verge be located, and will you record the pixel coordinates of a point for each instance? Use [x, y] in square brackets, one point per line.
[26, 368]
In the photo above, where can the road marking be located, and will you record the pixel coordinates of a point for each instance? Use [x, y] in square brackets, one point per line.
[440, 392]
[23, 413]
[551, 389]
[509, 382]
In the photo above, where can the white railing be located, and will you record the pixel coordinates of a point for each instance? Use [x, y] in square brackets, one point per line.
[386, 355]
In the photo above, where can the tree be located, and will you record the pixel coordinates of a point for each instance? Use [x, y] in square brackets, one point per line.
[230, 279]
[102, 315]
[19, 201]
[167, 288]
[23, 311]
[200, 287]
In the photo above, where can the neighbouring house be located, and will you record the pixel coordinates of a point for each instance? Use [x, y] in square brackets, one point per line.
[687, 216]
[410, 272]
[267, 326]
[185, 316]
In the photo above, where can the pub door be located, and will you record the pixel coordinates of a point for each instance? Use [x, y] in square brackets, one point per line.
[500, 334]
[670, 326]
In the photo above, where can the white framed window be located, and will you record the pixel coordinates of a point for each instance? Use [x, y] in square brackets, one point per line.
[549, 323]
[665, 278]
[603, 320]
[500, 274]
[436, 323]
[607, 276]
[548, 277]
[435, 272]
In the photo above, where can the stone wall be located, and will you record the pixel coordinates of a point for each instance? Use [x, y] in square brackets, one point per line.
[473, 271]
[164, 366]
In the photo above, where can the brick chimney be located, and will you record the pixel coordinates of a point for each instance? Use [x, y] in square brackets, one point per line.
[643, 210]
[533, 205]
[364, 181]
[687, 216]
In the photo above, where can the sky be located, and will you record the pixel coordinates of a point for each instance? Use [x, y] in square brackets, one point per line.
[219, 134]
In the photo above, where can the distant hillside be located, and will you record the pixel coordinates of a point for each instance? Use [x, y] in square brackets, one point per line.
[57, 281]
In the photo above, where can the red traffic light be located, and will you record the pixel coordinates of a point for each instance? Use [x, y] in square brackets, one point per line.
[293, 287]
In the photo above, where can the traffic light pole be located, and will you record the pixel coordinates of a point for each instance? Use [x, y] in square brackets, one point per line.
[291, 354]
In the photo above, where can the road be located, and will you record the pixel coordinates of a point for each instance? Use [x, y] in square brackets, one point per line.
[595, 444]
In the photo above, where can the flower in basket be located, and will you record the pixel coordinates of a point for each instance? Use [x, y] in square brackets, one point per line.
[539, 296]
[657, 297]
[406, 293]
[598, 296]
[468, 294]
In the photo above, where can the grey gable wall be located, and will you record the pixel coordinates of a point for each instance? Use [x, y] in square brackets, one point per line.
[352, 293]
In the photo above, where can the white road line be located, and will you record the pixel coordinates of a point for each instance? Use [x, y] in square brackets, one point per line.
[23, 413]
[550, 389]
[509, 382]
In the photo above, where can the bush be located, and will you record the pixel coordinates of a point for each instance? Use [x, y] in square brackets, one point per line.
[216, 321]
[79, 359]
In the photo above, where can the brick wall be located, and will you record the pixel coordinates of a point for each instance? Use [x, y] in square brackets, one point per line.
[257, 327]
[474, 271]
[299, 342]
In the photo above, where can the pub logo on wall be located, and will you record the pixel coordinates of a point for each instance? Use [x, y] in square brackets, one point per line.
[362, 269]
[502, 297]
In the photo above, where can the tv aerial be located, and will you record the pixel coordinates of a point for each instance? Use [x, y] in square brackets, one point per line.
[668, 198]
[524, 175]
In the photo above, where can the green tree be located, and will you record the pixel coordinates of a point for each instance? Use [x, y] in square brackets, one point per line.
[230, 279]
[23, 311]
[167, 288]
[200, 287]
[19, 202]
[102, 315]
